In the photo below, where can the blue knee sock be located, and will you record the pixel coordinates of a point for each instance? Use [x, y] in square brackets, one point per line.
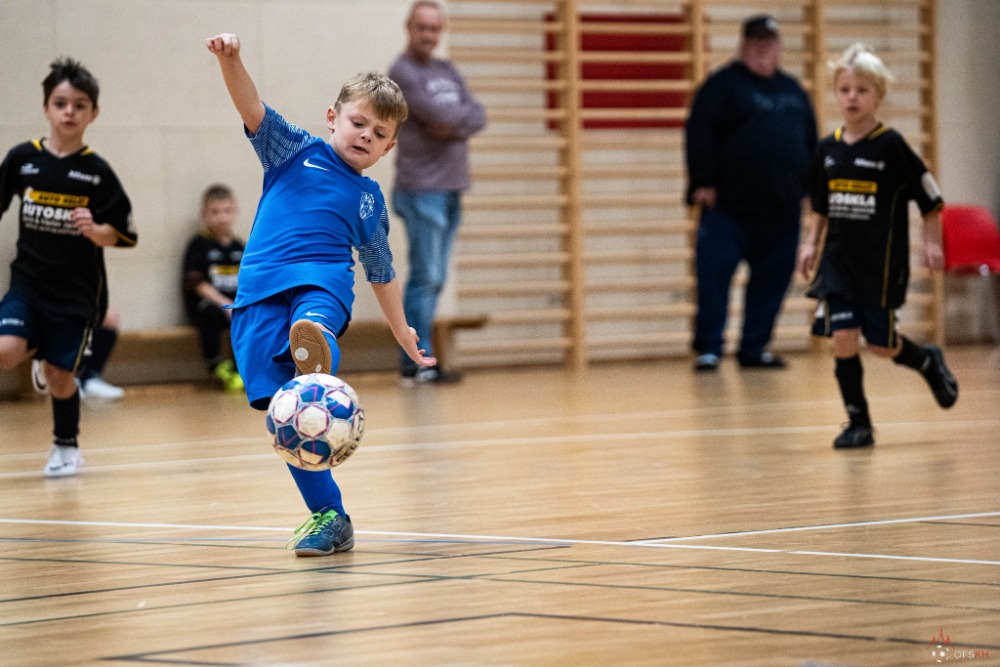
[331, 340]
[318, 489]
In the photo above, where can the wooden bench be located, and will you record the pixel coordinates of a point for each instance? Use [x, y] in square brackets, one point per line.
[172, 354]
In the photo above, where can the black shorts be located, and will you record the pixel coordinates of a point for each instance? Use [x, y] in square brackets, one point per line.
[878, 325]
[61, 339]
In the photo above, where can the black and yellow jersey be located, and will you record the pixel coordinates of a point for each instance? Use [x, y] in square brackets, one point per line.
[55, 263]
[864, 190]
[208, 260]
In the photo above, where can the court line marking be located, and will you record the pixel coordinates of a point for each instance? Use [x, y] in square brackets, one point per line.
[654, 544]
[468, 443]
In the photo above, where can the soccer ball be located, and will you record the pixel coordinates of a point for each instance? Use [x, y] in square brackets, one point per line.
[316, 421]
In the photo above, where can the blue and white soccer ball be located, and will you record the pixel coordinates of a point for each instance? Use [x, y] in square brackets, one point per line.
[316, 421]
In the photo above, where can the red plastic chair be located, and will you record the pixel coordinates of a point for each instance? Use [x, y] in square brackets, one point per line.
[971, 245]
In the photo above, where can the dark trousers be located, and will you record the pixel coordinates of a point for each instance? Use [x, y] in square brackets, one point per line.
[769, 247]
[212, 322]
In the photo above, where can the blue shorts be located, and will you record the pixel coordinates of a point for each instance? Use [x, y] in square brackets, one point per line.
[259, 336]
[878, 325]
[61, 339]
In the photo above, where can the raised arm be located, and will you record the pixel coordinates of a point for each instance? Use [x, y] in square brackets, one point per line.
[390, 300]
[242, 90]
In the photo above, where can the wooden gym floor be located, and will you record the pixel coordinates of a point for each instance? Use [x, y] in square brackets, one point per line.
[635, 514]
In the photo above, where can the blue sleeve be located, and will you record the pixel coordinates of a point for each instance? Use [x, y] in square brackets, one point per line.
[276, 139]
[375, 255]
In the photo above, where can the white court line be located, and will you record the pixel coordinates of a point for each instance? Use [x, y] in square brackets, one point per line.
[533, 441]
[564, 542]
[826, 526]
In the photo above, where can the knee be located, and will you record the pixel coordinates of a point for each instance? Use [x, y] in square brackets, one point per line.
[13, 350]
[845, 343]
[62, 384]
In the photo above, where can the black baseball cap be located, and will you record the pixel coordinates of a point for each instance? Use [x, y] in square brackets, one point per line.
[761, 26]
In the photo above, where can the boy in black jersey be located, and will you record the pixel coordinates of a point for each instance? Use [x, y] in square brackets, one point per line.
[865, 174]
[72, 206]
[211, 264]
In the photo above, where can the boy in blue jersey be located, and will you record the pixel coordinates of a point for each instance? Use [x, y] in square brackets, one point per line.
[296, 283]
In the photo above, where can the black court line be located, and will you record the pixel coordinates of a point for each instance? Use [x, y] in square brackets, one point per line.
[344, 568]
[963, 523]
[410, 578]
[758, 570]
[161, 657]
[743, 594]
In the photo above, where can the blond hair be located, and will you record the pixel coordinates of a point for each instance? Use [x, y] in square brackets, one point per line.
[380, 92]
[859, 58]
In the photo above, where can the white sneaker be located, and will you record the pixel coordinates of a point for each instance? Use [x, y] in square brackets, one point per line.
[38, 380]
[63, 461]
[98, 388]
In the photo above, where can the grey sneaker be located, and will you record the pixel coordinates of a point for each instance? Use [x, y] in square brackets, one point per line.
[323, 534]
[309, 348]
[97, 387]
[63, 461]
[707, 362]
[429, 375]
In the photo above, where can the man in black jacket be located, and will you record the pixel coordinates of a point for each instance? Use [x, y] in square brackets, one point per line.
[749, 141]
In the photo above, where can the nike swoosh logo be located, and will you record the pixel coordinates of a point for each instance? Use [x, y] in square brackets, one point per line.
[307, 163]
[309, 312]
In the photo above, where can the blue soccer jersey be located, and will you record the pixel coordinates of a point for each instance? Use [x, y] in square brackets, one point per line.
[313, 210]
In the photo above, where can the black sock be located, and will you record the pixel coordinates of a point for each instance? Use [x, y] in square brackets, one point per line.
[66, 417]
[911, 355]
[849, 376]
[100, 349]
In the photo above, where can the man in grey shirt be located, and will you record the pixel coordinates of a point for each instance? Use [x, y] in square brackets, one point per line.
[432, 170]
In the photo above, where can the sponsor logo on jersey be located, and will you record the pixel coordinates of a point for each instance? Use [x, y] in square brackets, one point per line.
[28, 169]
[86, 178]
[367, 205]
[849, 185]
[50, 211]
[11, 322]
[869, 164]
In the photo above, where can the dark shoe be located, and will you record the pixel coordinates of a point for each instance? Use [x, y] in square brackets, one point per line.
[855, 435]
[706, 363]
[942, 382]
[429, 375]
[323, 534]
[765, 360]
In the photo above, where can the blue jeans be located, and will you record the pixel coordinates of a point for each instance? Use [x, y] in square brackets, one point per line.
[431, 220]
[769, 246]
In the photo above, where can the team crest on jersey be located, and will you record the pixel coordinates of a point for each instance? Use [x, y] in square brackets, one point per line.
[367, 205]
